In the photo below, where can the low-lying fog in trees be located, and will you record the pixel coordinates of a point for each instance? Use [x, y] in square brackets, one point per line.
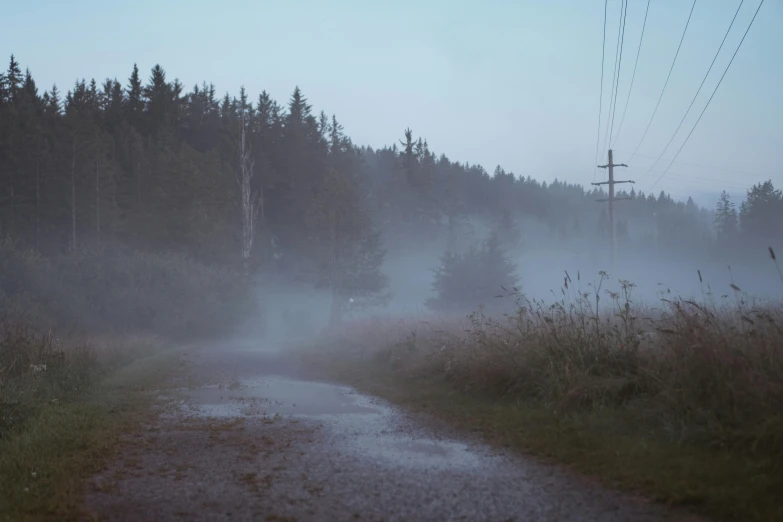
[328, 228]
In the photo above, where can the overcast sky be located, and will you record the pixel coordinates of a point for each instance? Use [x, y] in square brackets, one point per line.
[514, 83]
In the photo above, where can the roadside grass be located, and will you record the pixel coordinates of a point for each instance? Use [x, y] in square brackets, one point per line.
[683, 403]
[64, 406]
[81, 343]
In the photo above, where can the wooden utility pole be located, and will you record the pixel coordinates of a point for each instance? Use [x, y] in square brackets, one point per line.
[611, 199]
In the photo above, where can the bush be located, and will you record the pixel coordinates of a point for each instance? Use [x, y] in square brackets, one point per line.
[703, 374]
[473, 278]
[119, 290]
[38, 368]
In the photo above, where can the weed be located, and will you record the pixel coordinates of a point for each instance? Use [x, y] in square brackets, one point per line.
[688, 395]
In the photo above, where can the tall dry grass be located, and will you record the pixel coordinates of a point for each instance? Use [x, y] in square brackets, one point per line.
[38, 368]
[66, 321]
[704, 373]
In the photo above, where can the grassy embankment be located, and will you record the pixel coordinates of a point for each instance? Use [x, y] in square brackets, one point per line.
[83, 340]
[683, 403]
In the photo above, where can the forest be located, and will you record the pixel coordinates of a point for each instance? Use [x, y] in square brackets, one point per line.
[281, 190]
[141, 219]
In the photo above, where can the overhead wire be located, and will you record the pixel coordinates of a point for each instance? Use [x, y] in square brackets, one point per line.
[619, 68]
[684, 32]
[699, 165]
[699, 90]
[614, 76]
[711, 96]
[703, 179]
[601, 94]
[633, 76]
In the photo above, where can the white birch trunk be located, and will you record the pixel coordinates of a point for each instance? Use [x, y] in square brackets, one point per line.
[249, 202]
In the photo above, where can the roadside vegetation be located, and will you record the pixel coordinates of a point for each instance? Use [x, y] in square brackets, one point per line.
[84, 337]
[682, 401]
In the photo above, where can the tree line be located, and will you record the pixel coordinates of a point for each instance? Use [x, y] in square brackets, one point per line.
[282, 189]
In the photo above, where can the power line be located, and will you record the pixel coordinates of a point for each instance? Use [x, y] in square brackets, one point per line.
[713, 94]
[699, 90]
[667, 81]
[619, 68]
[701, 180]
[614, 76]
[702, 166]
[601, 94]
[633, 76]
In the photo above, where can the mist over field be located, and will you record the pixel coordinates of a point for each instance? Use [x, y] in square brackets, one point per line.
[309, 261]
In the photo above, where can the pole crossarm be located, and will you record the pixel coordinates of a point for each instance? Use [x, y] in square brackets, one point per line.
[615, 182]
[614, 165]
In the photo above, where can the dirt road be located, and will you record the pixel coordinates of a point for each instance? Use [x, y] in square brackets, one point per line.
[246, 435]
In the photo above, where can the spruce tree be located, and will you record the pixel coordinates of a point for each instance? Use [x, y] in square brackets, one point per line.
[474, 278]
[726, 219]
[135, 101]
[346, 250]
[13, 80]
[761, 214]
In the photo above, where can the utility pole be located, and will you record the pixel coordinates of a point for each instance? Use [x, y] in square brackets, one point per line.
[611, 199]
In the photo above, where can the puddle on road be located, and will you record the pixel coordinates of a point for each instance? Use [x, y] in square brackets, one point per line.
[357, 424]
[276, 395]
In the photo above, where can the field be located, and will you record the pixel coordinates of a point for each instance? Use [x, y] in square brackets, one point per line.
[682, 401]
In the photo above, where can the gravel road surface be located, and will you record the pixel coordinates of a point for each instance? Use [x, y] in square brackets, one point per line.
[247, 435]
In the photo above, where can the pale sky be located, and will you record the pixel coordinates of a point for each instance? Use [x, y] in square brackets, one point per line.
[514, 83]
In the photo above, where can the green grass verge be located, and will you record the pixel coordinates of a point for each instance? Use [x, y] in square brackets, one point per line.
[45, 462]
[613, 444]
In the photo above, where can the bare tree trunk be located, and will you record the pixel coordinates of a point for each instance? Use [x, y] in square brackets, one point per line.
[12, 197]
[113, 223]
[337, 303]
[73, 195]
[11, 192]
[249, 203]
[38, 201]
[97, 204]
[135, 171]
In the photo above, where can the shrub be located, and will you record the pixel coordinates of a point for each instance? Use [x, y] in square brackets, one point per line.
[702, 374]
[474, 278]
[120, 290]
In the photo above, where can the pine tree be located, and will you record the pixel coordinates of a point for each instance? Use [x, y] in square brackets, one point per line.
[726, 220]
[345, 247]
[53, 102]
[323, 125]
[11, 158]
[160, 99]
[298, 109]
[506, 230]
[408, 157]
[113, 100]
[474, 278]
[135, 101]
[250, 201]
[152, 167]
[13, 80]
[4, 99]
[761, 214]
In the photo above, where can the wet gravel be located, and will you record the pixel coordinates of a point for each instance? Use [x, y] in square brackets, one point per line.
[258, 439]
